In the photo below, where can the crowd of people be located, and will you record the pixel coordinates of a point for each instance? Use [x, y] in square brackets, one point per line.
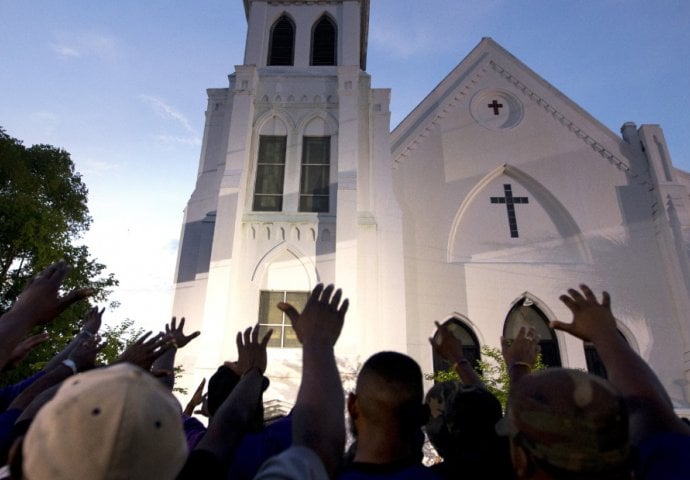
[78, 420]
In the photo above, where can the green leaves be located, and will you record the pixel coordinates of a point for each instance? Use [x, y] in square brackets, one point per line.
[43, 213]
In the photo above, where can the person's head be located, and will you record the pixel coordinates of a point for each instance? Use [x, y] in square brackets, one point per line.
[567, 424]
[114, 422]
[389, 394]
[220, 386]
[463, 420]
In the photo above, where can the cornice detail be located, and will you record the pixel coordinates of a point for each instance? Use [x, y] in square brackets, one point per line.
[441, 112]
[572, 126]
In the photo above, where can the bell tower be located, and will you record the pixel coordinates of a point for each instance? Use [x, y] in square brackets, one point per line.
[294, 188]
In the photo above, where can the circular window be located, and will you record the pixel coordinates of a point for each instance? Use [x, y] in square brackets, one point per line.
[496, 109]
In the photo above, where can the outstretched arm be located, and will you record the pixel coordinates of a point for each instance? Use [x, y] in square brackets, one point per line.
[38, 303]
[449, 347]
[233, 417]
[651, 409]
[92, 323]
[318, 421]
[176, 337]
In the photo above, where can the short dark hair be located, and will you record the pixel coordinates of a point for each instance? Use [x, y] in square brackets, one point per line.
[400, 378]
[220, 386]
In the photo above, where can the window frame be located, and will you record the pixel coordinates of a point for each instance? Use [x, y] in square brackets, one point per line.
[312, 166]
[279, 329]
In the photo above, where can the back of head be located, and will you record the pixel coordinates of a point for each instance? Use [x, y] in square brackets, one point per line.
[220, 386]
[569, 421]
[390, 391]
[462, 417]
[115, 422]
[462, 429]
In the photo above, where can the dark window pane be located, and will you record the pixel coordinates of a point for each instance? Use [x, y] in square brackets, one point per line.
[290, 338]
[323, 46]
[315, 179]
[270, 174]
[297, 299]
[269, 179]
[313, 204]
[282, 47]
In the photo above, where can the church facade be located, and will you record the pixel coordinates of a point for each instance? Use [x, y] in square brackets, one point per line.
[489, 200]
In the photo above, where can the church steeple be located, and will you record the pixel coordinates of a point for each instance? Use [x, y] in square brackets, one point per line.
[297, 33]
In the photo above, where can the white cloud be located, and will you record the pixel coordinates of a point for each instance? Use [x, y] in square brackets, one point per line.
[192, 140]
[64, 50]
[168, 112]
[75, 45]
[97, 168]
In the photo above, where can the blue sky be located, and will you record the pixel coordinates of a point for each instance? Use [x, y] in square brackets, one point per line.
[121, 85]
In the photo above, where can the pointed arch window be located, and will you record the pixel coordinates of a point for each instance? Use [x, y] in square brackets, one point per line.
[526, 314]
[270, 172]
[324, 42]
[470, 345]
[315, 176]
[282, 45]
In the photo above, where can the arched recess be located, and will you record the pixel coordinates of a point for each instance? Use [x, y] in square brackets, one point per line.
[563, 222]
[281, 49]
[324, 41]
[274, 122]
[460, 327]
[318, 123]
[282, 275]
[527, 312]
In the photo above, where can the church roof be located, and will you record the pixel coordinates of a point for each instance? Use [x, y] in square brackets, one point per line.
[459, 86]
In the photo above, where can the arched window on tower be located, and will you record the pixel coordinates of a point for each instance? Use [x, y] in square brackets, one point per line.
[323, 42]
[470, 344]
[526, 314]
[282, 47]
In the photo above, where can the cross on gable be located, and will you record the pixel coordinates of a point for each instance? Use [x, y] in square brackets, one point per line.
[495, 105]
[509, 200]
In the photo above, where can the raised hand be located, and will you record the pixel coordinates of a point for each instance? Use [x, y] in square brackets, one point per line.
[447, 345]
[321, 321]
[592, 321]
[22, 350]
[175, 335]
[196, 400]
[523, 350]
[144, 352]
[92, 321]
[84, 355]
[40, 300]
[251, 353]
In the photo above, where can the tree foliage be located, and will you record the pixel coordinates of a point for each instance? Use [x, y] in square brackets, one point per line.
[43, 215]
[493, 371]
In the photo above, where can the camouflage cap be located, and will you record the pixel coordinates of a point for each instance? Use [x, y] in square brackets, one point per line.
[462, 416]
[569, 419]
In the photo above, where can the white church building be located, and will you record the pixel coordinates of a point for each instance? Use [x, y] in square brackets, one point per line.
[489, 200]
